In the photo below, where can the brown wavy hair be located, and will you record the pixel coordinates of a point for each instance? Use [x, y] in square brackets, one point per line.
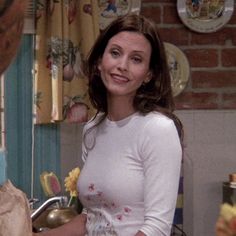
[156, 95]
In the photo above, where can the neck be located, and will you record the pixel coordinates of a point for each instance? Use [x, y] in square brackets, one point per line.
[119, 108]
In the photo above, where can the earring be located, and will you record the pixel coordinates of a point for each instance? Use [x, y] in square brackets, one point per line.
[145, 82]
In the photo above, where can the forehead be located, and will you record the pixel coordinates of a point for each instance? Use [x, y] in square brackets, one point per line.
[133, 40]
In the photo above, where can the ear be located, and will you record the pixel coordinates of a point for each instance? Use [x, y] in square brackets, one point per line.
[99, 64]
[99, 67]
[148, 77]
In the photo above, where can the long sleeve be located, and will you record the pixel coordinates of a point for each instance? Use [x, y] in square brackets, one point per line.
[161, 155]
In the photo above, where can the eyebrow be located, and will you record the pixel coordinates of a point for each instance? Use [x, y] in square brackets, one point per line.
[134, 51]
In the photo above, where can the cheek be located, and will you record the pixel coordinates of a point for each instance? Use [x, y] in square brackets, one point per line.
[102, 71]
[103, 64]
[141, 75]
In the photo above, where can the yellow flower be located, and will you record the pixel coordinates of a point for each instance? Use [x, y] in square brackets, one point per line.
[227, 212]
[71, 181]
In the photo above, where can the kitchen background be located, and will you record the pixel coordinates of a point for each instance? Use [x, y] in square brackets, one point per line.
[206, 108]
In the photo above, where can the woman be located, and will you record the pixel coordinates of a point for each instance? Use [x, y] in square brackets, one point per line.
[132, 149]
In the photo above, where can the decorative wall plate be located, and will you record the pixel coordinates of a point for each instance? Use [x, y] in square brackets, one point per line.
[205, 16]
[178, 67]
[111, 9]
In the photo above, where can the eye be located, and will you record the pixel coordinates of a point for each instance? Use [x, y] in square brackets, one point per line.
[114, 52]
[137, 59]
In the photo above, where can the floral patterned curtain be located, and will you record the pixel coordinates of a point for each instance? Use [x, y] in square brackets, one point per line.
[65, 32]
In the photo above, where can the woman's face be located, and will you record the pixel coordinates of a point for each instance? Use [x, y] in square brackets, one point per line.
[124, 65]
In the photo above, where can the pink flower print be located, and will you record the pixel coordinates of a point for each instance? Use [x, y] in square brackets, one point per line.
[99, 193]
[113, 205]
[68, 73]
[88, 198]
[127, 210]
[119, 217]
[105, 205]
[77, 113]
[91, 187]
[71, 11]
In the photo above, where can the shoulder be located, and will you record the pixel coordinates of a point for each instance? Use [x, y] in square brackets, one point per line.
[156, 125]
[158, 133]
[156, 120]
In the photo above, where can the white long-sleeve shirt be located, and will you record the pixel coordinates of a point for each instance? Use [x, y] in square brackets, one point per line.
[130, 178]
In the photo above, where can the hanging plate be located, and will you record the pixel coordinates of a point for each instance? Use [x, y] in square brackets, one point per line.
[205, 16]
[178, 67]
[111, 9]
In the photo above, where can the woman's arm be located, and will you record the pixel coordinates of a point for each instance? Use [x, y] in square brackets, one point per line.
[161, 156]
[76, 227]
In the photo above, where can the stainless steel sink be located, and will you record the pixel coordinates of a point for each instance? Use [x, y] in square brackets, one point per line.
[52, 213]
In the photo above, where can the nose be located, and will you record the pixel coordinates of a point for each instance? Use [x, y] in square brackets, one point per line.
[123, 64]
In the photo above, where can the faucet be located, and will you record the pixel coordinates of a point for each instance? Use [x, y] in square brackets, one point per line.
[62, 200]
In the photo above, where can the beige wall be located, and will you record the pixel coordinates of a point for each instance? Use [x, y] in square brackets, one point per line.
[210, 156]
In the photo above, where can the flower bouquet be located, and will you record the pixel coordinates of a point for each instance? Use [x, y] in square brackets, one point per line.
[71, 187]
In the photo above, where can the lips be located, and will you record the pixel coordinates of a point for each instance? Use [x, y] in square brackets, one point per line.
[119, 78]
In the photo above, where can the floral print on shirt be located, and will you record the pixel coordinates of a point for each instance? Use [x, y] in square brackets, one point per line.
[98, 223]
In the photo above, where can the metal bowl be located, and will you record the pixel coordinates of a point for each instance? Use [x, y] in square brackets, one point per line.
[60, 216]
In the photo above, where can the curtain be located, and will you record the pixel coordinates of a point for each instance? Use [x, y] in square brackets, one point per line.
[65, 32]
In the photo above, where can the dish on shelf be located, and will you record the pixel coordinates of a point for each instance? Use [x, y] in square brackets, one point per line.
[111, 9]
[205, 16]
[178, 67]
